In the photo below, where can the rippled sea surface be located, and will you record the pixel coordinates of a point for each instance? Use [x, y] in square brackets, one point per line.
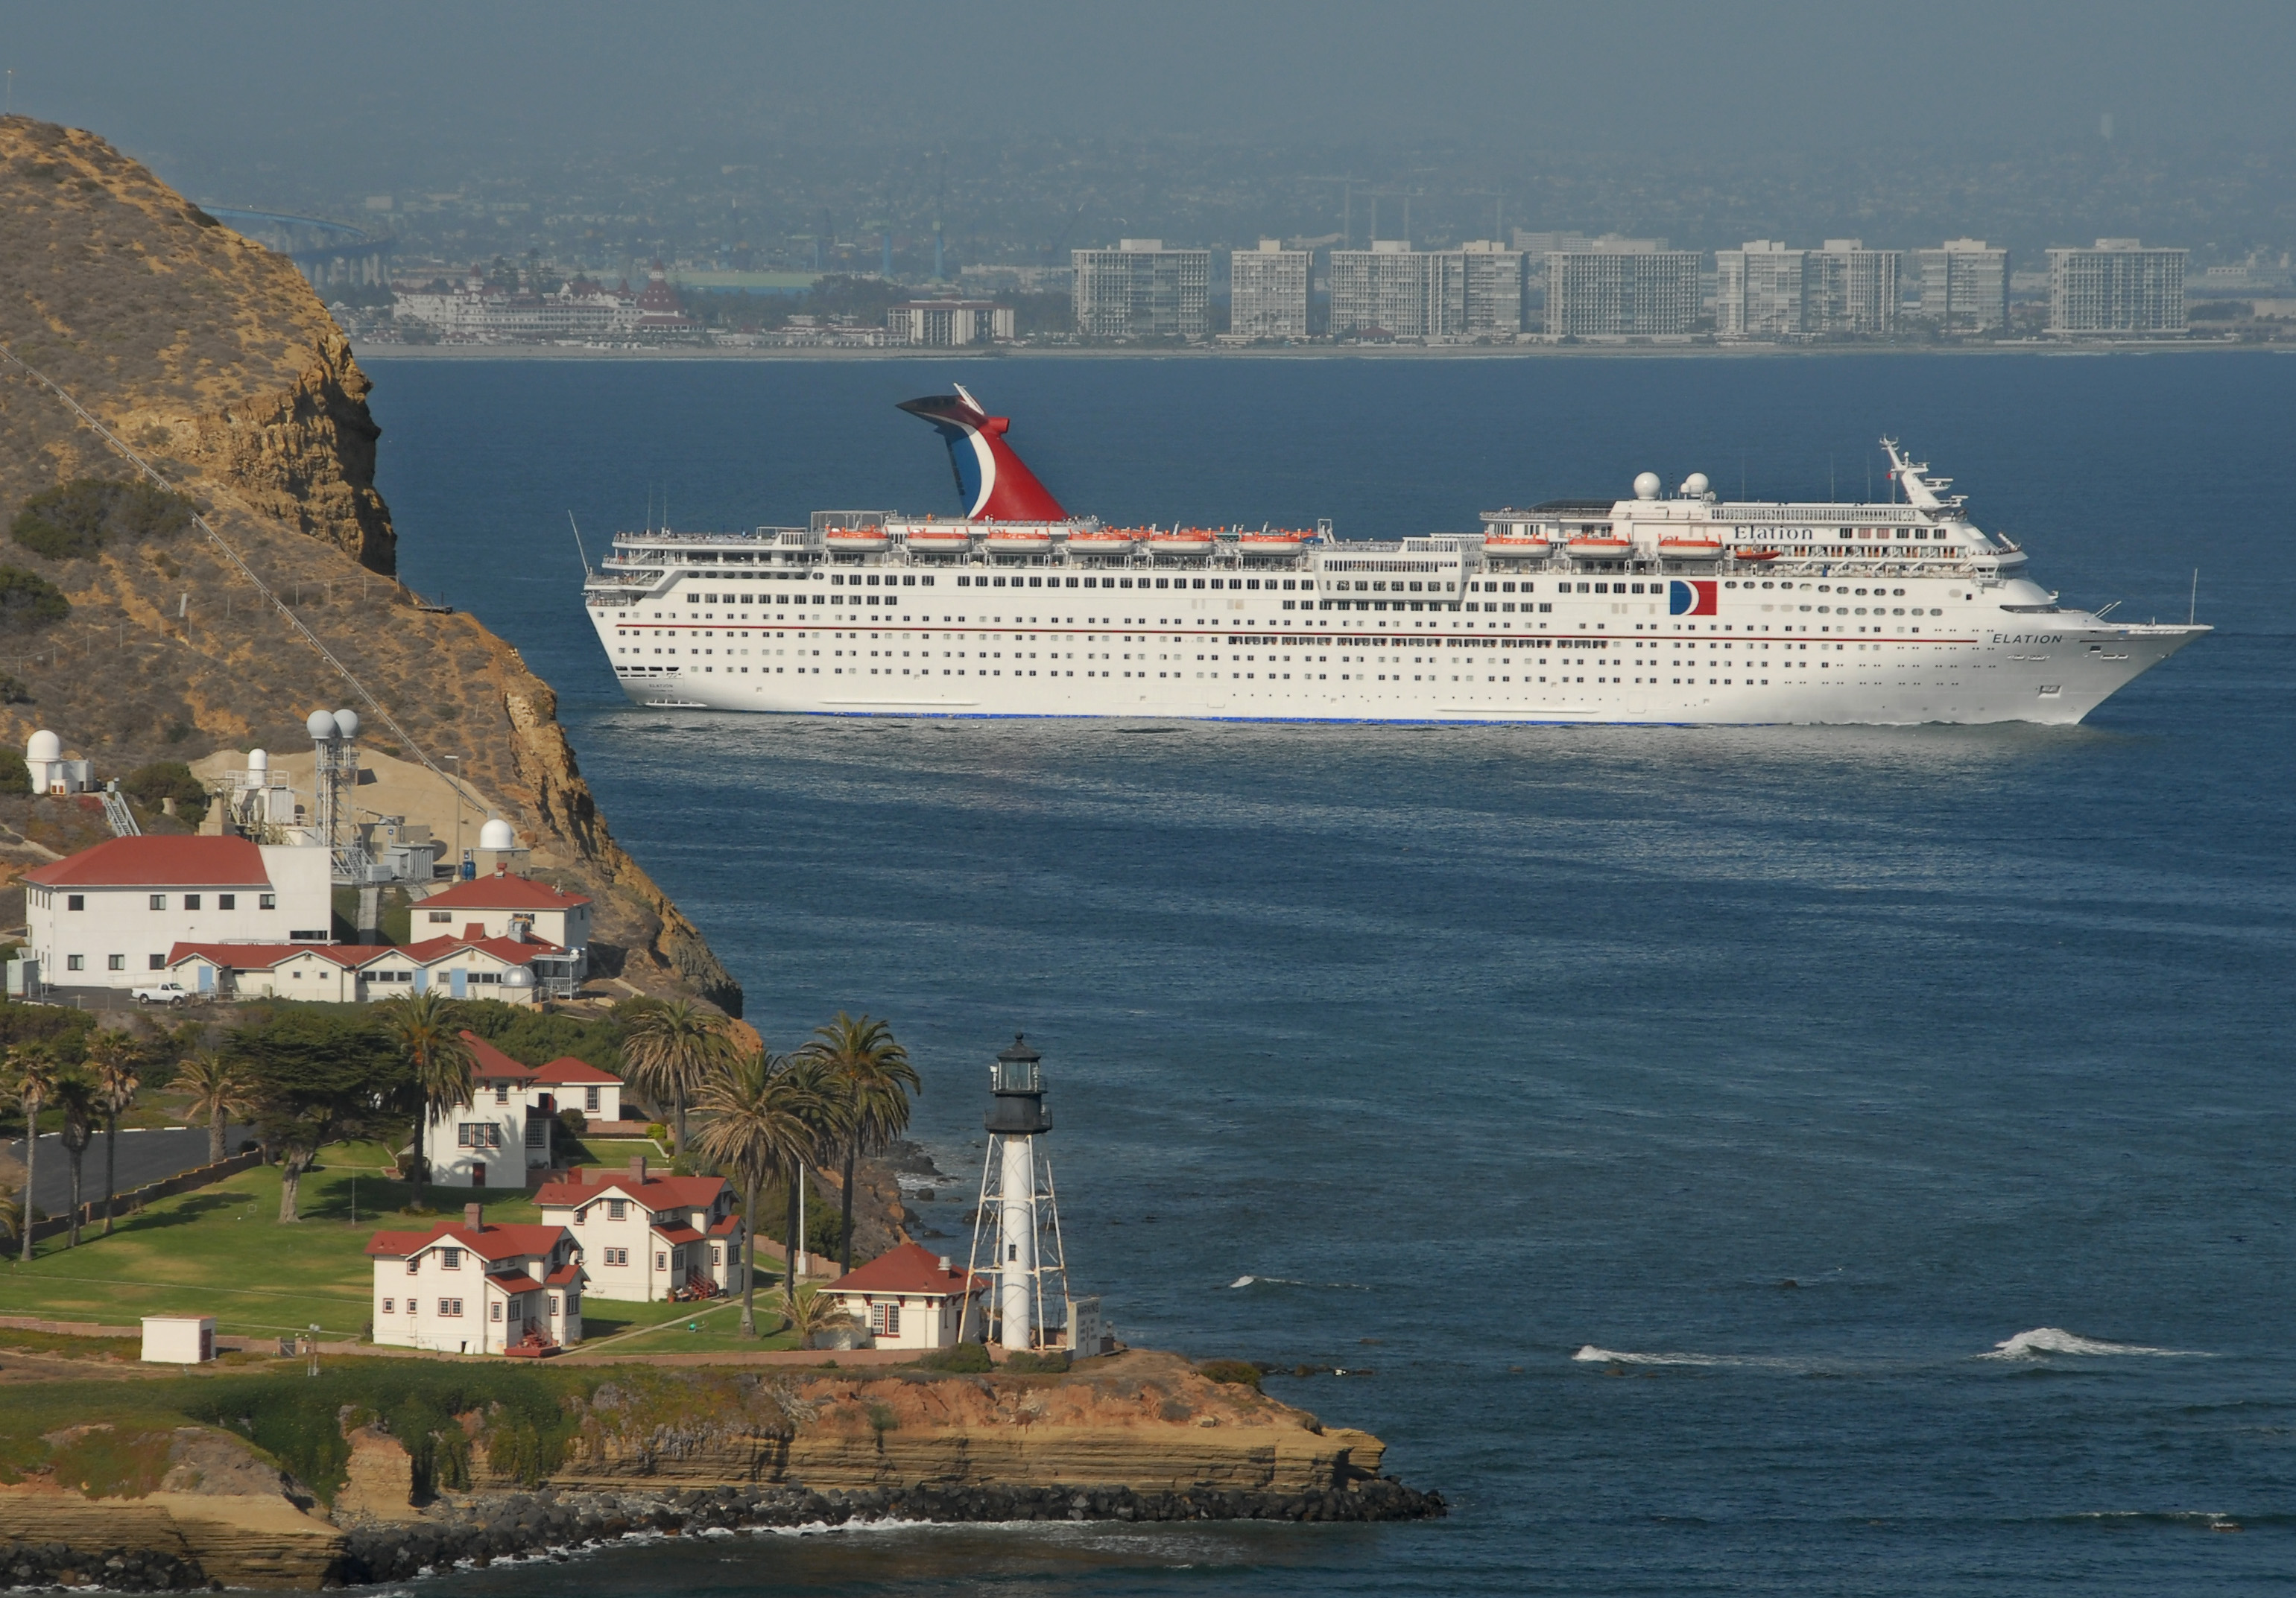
[1776, 1161]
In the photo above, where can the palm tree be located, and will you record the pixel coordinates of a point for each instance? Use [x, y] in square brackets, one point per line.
[877, 1080]
[818, 1313]
[32, 1072]
[218, 1092]
[671, 1048]
[426, 1029]
[117, 1059]
[75, 1094]
[765, 1110]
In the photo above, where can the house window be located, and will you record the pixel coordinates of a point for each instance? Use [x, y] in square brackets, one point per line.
[534, 1134]
[717, 1256]
[158, 963]
[554, 1305]
[390, 1307]
[227, 901]
[75, 962]
[75, 901]
[502, 1093]
[158, 901]
[267, 901]
[450, 1259]
[478, 1134]
[573, 1303]
[660, 1260]
[190, 901]
[495, 1310]
[451, 1308]
[885, 1320]
[617, 1256]
[116, 962]
[617, 1209]
[442, 918]
[590, 1100]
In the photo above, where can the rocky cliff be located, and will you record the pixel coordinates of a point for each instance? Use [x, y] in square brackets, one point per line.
[211, 357]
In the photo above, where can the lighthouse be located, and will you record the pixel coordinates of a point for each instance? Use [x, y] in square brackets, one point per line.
[1016, 1232]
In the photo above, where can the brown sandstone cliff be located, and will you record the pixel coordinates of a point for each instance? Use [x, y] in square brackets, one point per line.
[212, 358]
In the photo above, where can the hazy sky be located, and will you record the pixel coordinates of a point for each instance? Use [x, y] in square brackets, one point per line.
[200, 88]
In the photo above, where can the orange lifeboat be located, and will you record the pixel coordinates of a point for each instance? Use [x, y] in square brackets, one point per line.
[1599, 549]
[1180, 541]
[1018, 541]
[938, 541]
[1518, 549]
[1756, 554]
[1690, 549]
[1270, 543]
[857, 540]
[1103, 541]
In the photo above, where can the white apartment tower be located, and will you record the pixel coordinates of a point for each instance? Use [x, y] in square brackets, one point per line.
[1140, 290]
[1499, 289]
[1269, 292]
[1394, 289]
[1964, 286]
[1850, 289]
[1632, 294]
[1759, 290]
[2118, 287]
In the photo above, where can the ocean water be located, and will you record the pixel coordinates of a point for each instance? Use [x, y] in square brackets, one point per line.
[1777, 1161]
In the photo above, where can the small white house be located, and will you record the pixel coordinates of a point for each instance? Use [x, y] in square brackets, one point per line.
[510, 1128]
[910, 1297]
[179, 1339]
[110, 915]
[478, 1287]
[646, 1236]
[506, 905]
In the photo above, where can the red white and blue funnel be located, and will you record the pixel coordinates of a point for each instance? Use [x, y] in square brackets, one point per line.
[994, 484]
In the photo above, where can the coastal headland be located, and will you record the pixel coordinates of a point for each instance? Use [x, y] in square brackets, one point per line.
[256, 1475]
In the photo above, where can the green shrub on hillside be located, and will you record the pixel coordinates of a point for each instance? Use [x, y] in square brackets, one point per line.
[15, 777]
[72, 520]
[167, 780]
[1241, 1373]
[962, 1359]
[28, 601]
[534, 1038]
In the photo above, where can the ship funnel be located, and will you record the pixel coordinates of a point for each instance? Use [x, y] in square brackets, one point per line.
[994, 482]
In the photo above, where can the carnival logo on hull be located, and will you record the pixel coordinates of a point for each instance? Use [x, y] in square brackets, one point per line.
[1691, 598]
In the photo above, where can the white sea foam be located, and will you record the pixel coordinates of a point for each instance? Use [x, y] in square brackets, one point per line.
[1353, 1287]
[2055, 1339]
[1590, 1354]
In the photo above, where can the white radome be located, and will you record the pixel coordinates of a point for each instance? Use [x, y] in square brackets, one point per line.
[1696, 485]
[497, 835]
[347, 724]
[320, 725]
[1647, 486]
[258, 760]
[44, 745]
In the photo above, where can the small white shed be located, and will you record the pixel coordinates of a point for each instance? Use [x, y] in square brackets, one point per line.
[179, 1339]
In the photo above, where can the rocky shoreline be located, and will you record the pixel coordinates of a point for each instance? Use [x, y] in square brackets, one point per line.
[477, 1531]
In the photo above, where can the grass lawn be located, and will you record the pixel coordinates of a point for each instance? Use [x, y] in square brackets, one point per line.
[714, 1328]
[221, 1252]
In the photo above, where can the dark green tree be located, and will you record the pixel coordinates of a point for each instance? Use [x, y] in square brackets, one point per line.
[316, 1077]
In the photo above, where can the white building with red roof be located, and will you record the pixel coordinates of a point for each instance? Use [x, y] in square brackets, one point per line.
[507, 906]
[911, 1298]
[473, 967]
[478, 1287]
[646, 1236]
[509, 1129]
[109, 916]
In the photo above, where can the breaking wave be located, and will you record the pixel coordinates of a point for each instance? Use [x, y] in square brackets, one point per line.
[2055, 1339]
[1353, 1287]
[1590, 1354]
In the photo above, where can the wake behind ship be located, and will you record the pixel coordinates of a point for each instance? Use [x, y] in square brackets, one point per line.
[1651, 609]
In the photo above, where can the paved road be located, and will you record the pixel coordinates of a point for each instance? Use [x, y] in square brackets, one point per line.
[144, 1156]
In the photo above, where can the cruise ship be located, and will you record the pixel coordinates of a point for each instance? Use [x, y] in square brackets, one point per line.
[1679, 607]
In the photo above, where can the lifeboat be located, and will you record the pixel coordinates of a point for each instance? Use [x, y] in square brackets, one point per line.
[1599, 549]
[938, 541]
[1518, 549]
[857, 540]
[1270, 543]
[1180, 541]
[1690, 549]
[1018, 541]
[1104, 541]
[1756, 554]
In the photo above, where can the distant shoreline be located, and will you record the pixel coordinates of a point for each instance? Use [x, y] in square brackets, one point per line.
[366, 353]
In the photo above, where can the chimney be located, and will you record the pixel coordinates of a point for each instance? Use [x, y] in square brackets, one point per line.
[637, 1168]
[474, 1217]
[946, 1268]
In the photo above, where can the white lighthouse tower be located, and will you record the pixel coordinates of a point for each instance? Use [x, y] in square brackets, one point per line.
[1016, 1232]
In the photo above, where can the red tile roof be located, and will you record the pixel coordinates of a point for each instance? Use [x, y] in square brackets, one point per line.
[568, 1069]
[492, 1242]
[263, 956]
[503, 892]
[163, 862]
[655, 1192]
[489, 1061]
[911, 1269]
[510, 951]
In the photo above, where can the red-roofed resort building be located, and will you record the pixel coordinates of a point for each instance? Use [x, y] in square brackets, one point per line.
[476, 1287]
[509, 1126]
[108, 916]
[646, 1236]
[911, 1298]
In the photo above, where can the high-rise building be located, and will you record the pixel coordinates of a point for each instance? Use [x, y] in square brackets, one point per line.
[1850, 289]
[1140, 290]
[2119, 287]
[1964, 286]
[1269, 292]
[949, 323]
[1759, 290]
[1642, 293]
[1393, 289]
[1499, 289]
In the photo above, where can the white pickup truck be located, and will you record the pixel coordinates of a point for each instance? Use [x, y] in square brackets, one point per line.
[162, 993]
